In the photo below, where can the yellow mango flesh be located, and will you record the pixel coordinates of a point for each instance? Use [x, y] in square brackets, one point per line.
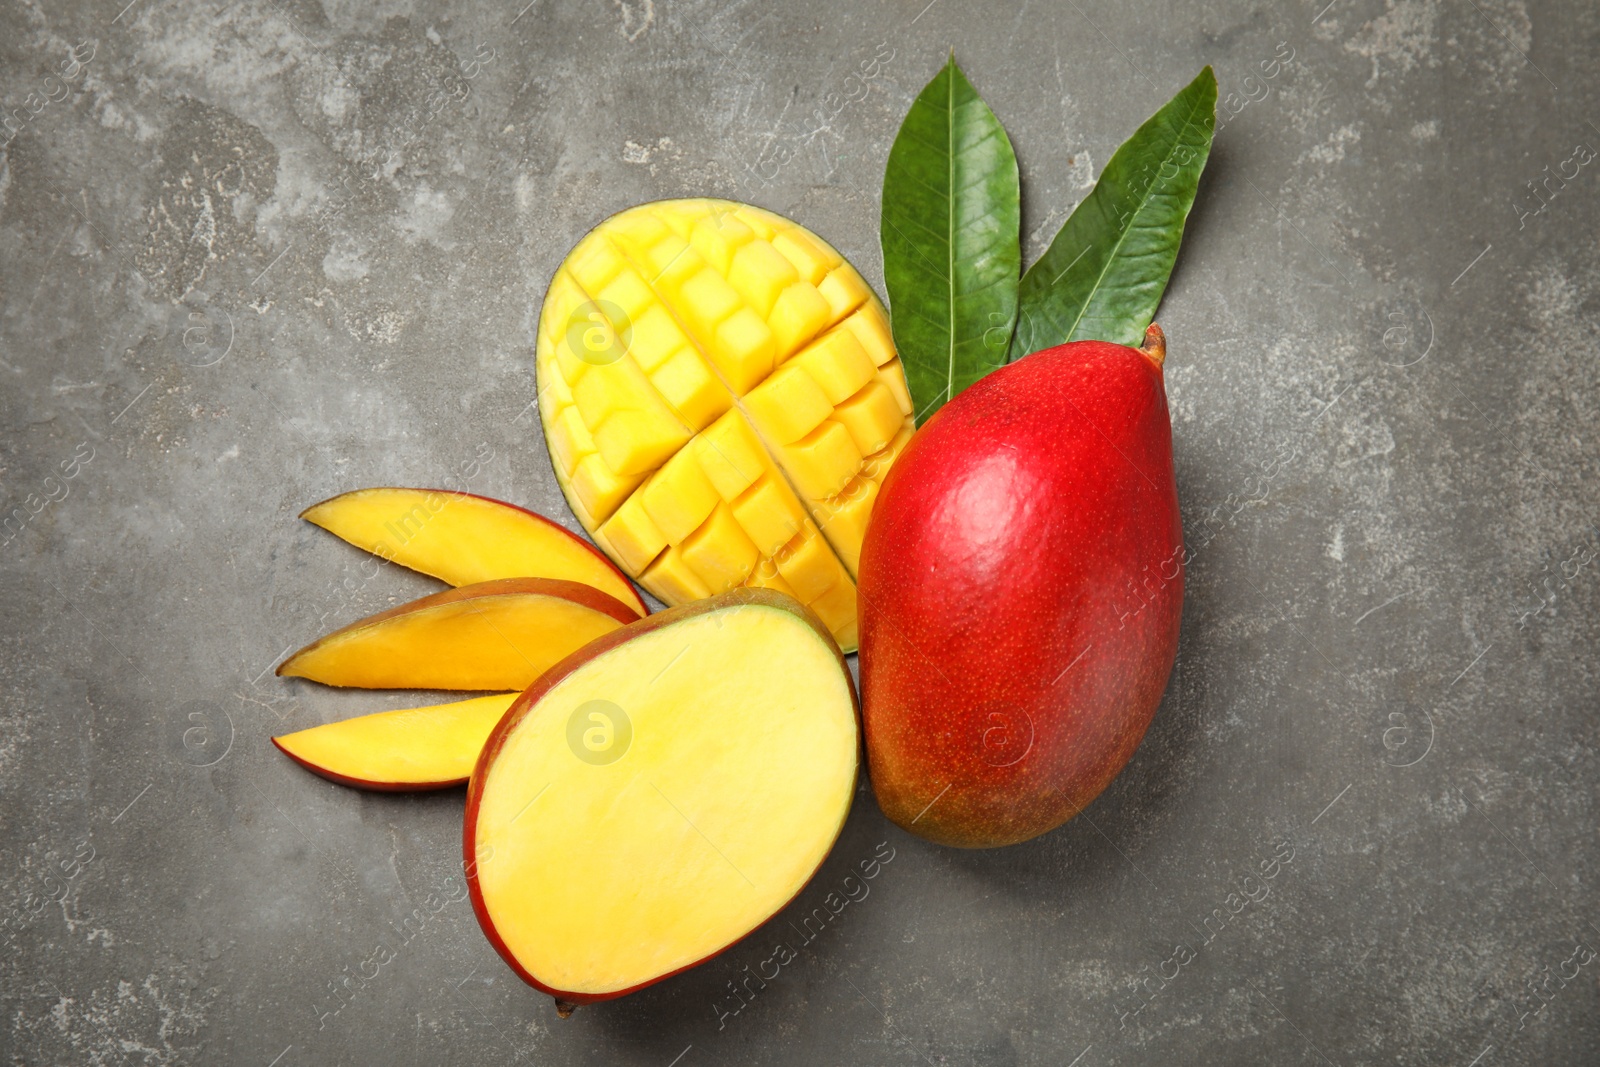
[493, 635]
[417, 748]
[735, 777]
[462, 538]
[721, 398]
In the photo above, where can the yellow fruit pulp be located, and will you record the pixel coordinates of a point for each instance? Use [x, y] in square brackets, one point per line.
[721, 398]
[464, 539]
[417, 748]
[492, 635]
[728, 788]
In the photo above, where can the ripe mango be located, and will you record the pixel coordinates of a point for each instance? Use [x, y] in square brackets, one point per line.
[721, 397]
[1022, 586]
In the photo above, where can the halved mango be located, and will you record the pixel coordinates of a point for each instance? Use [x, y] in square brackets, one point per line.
[491, 635]
[687, 345]
[464, 538]
[660, 794]
[398, 751]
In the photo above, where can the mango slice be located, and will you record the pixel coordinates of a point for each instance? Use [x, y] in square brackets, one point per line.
[395, 751]
[661, 794]
[721, 398]
[493, 635]
[463, 538]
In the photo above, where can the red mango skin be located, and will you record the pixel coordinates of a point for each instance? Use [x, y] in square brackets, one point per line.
[1021, 586]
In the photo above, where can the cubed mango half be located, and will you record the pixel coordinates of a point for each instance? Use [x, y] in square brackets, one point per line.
[721, 399]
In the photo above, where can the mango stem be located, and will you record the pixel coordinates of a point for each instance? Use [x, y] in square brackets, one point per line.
[1155, 345]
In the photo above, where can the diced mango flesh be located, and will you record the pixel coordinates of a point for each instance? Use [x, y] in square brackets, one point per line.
[721, 397]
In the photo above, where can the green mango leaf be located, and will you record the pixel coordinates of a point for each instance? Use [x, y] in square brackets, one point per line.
[1103, 275]
[950, 229]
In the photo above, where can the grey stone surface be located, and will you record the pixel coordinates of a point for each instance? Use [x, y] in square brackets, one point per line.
[256, 253]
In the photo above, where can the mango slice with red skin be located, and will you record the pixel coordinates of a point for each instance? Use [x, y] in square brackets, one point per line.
[493, 635]
[464, 538]
[400, 751]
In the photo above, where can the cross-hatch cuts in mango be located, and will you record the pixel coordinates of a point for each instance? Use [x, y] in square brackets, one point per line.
[722, 399]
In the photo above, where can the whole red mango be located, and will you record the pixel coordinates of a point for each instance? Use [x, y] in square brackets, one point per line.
[1021, 584]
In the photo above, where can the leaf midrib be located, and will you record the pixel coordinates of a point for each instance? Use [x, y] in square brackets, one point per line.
[950, 225]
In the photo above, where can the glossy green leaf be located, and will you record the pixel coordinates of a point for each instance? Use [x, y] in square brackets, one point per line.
[951, 250]
[1103, 275]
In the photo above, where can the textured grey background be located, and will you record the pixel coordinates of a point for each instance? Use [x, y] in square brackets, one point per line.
[256, 253]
